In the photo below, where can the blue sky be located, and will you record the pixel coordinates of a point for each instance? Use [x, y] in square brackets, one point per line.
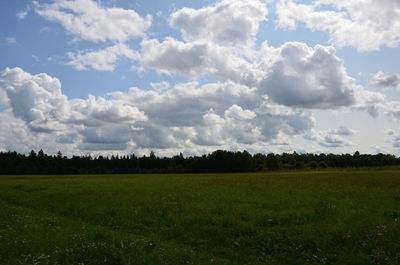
[119, 76]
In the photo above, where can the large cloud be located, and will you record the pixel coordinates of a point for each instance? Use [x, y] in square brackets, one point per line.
[90, 21]
[365, 25]
[213, 114]
[36, 99]
[114, 137]
[195, 59]
[16, 135]
[95, 111]
[39, 102]
[185, 116]
[185, 104]
[294, 74]
[234, 125]
[232, 22]
[306, 77]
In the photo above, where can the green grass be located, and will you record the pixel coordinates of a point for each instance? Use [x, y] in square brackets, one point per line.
[327, 217]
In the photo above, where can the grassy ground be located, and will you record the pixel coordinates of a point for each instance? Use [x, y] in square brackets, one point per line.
[343, 217]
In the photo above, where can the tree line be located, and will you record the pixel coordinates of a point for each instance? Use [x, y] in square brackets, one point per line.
[219, 161]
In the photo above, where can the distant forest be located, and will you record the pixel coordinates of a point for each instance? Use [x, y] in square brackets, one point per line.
[217, 162]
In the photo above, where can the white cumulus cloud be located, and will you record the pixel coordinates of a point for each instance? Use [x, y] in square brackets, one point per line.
[38, 101]
[194, 59]
[231, 22]
[300, 76]
[95, 111]
[365, 25]
[90, 21]
[101, 60]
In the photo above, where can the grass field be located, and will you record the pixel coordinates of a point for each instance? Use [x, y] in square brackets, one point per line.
[343, 217]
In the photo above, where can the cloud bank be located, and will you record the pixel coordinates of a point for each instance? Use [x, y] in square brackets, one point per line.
[255, 96]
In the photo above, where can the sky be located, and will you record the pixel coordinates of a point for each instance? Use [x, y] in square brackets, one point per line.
[122, 76]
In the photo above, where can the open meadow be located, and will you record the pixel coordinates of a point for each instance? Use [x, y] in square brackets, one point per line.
[326, 217]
